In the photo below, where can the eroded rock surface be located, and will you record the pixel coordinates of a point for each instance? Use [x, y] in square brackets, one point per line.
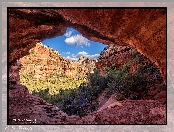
[25, 108]
[43, 61]
[129, 112]
[144, 29]
[14, 69]
[118, 56]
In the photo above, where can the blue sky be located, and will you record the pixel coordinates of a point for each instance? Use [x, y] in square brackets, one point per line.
[72, 45]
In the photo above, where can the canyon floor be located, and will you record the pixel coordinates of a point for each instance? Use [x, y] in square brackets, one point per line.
[28, 109]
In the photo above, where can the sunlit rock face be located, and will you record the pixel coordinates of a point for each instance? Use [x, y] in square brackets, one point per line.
[87, 65]
[43, 61]
[144, 29]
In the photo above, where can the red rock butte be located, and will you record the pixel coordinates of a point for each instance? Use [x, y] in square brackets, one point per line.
[143, 29]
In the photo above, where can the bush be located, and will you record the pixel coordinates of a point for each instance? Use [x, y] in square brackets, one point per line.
[81, 100]
[73, 96]
[76, 96]
[133, 52]
[97, 80]
[124, 82]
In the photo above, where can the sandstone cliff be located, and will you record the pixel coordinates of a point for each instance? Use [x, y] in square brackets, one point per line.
[143, 29]
[25, 108]
[118, 56]
[42, 61]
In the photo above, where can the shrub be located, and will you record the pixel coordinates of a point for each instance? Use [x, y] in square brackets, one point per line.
[97, 80]
[81, 100]
[32, 51]
[75, 96]
[151, 72]
[124, 82]
[119, 97]
[133, 52]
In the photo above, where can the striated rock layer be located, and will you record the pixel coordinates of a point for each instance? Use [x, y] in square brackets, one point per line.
[118, 56]
[143, 29]
[43, 61]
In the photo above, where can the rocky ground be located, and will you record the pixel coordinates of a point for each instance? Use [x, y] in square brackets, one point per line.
[25, 108]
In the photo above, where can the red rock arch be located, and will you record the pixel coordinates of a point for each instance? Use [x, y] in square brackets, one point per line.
[144, 29]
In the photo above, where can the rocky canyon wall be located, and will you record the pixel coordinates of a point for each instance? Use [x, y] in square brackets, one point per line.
[43, 61]
[143, 29]
[119, 56]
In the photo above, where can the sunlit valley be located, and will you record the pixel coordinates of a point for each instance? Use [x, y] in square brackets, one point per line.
[83, 86]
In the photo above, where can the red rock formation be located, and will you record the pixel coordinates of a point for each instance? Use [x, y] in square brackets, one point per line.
[14, 76]
[128, 112]
[32, 109]
[43, 61]
[117, 56]
[144, 29]
[87, 65]
[25, 108]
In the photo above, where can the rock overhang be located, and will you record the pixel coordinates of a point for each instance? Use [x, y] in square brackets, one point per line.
[144, 29]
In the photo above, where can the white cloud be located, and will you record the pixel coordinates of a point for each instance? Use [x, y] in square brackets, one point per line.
[95, 56]
[83, 53]
[77, 39]
[67, 53]
[72, 58]
[86, 55]
[70, 41]
[68, 34]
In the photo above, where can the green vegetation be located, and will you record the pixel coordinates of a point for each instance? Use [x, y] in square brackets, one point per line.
[126, 83]
[32, 51]
[77, 96]
[54, 82]
[133, 52]
[80, 100]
